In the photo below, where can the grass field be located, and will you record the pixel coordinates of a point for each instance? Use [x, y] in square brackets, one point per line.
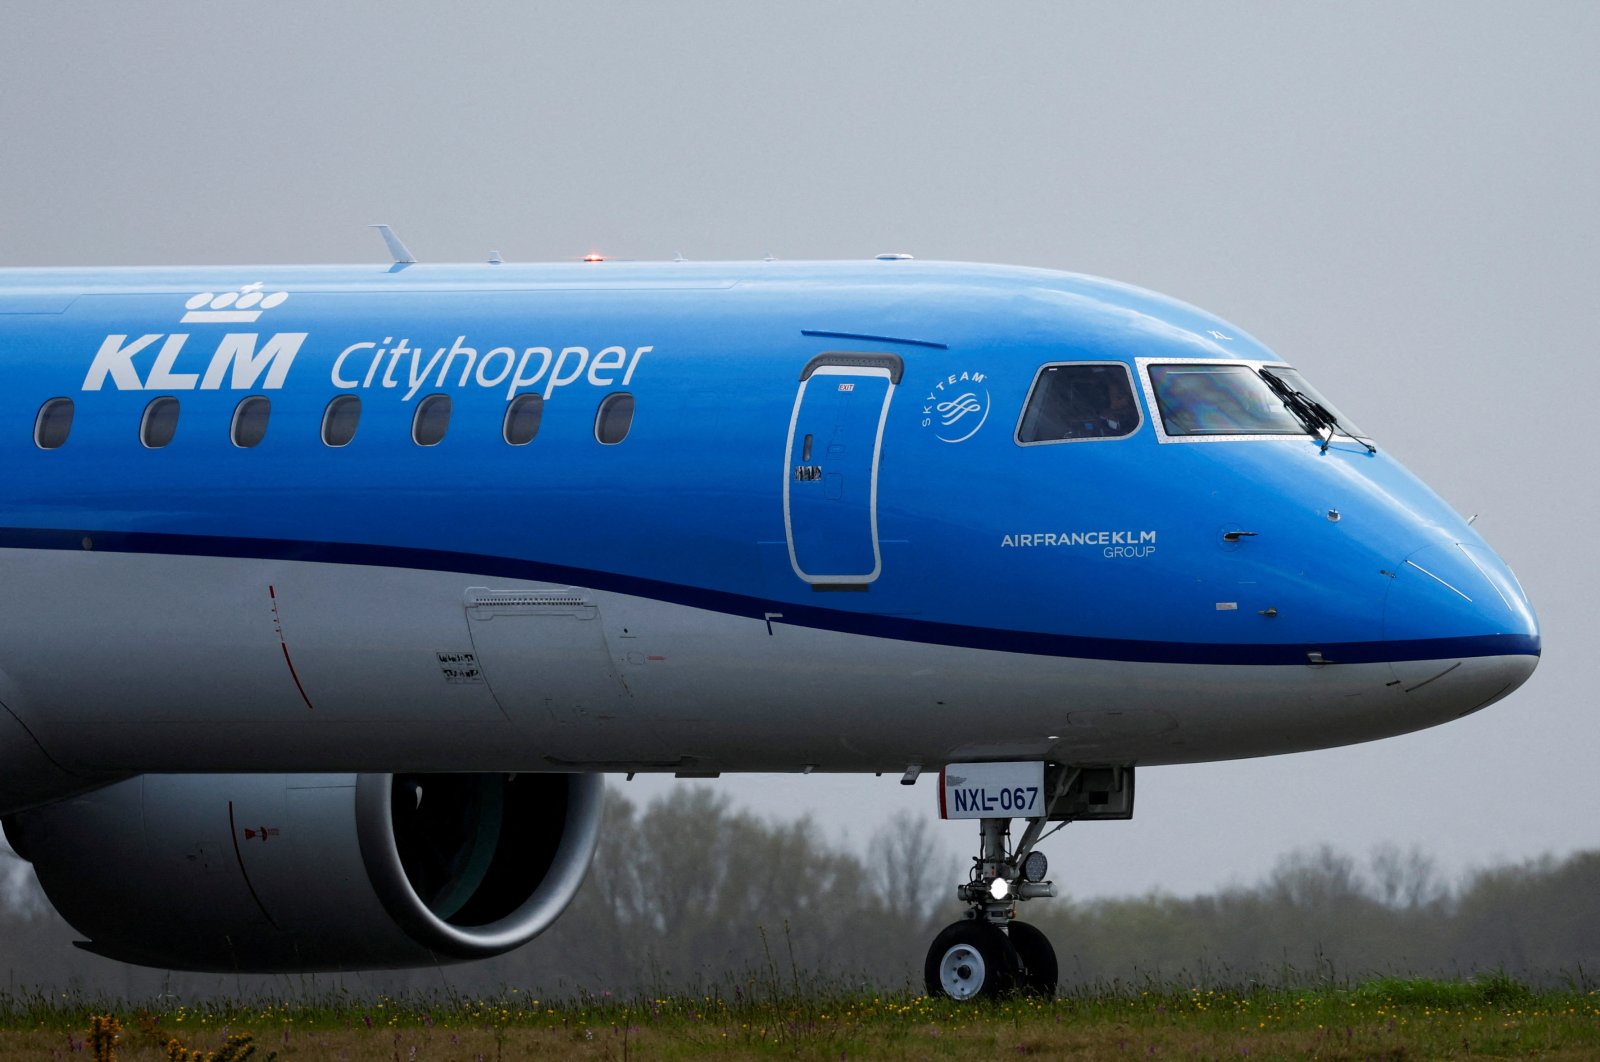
[1387, 1019]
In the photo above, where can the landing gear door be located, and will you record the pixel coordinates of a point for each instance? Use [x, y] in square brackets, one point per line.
[1035, 790]
[830, 481]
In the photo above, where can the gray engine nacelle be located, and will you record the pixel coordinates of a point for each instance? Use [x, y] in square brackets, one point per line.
[273, 872]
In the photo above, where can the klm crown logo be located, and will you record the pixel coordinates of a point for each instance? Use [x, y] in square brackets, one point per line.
[232, 307]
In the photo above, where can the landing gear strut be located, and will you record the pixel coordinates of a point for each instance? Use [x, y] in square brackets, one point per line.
[988, 952]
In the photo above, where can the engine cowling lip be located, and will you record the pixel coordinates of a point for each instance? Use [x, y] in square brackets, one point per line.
[380, 853]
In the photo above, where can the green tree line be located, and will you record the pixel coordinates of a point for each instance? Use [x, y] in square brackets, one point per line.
[692, 893]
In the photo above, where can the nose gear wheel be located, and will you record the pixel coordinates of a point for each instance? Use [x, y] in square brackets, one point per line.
[1038, 958]
[970, 959]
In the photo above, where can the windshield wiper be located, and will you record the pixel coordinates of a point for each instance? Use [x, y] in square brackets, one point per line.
[1313, 415]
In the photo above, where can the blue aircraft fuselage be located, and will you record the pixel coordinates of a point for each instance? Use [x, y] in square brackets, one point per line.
[695, 517]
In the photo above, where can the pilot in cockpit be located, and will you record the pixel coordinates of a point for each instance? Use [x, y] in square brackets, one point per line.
[1119, 415]
[1087, 402]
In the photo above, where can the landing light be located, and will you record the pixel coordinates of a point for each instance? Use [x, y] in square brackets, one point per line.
[594, 258]
[1035, 867]
[999, 888]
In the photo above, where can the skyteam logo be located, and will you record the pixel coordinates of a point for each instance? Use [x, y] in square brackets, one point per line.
[957, 407]
[232, 307]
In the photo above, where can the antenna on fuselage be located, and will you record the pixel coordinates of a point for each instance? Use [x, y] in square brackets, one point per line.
[397, 250]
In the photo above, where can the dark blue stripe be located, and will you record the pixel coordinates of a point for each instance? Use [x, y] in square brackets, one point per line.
[798, 615]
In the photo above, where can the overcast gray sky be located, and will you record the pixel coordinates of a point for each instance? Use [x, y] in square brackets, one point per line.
[1398, 197]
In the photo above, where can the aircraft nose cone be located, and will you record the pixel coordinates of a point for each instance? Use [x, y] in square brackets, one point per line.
[1460, 629]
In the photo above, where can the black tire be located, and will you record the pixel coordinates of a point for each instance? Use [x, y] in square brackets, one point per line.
[970, 960]
[1038, 959]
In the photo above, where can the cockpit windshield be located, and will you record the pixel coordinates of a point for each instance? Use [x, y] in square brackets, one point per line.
[1238, 399]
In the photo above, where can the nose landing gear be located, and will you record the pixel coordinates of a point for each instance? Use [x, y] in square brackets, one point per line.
[989, 953]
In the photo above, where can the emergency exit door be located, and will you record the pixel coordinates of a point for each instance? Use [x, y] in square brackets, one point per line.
[830, 482]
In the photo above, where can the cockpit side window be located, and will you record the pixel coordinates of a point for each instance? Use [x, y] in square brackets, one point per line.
[1075, 402]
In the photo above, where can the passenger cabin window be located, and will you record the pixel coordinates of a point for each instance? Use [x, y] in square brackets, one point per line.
[522, 419]
[53, 424]
[250, 421]
[1077, 402]
[340, 419]
[159, 423]
[431, 421]
[614, 418]
[1234, 399]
